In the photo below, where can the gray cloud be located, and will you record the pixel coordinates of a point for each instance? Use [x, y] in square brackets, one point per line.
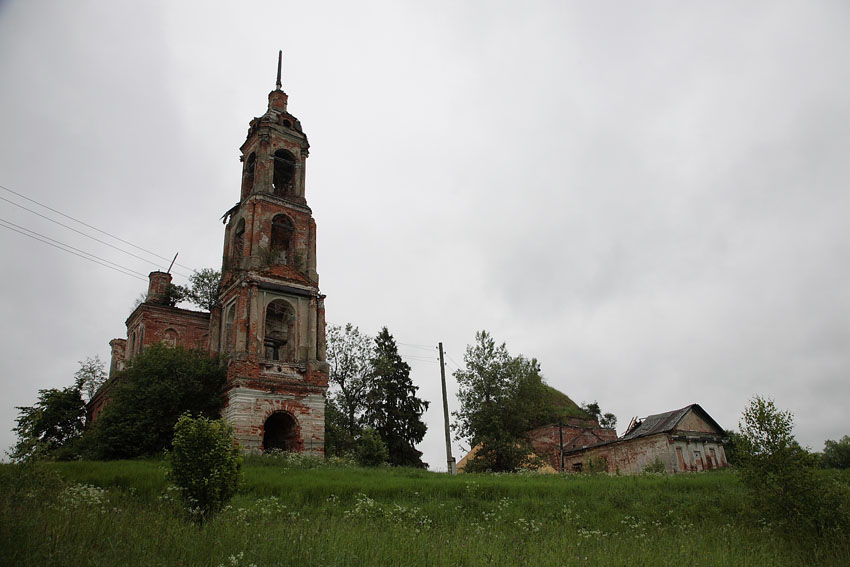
[649, 199]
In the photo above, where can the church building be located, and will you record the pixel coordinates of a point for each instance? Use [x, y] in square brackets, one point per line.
[270, 319]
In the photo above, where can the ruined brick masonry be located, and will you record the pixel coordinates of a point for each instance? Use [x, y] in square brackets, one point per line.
[682, 440]
[270, 319]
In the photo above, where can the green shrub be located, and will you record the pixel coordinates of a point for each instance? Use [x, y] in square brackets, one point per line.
[780, 475]
[371, 449]
[205, 464]
[655, 467]
[596, 465]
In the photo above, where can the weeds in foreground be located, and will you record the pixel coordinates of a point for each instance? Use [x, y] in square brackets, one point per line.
[308, 513]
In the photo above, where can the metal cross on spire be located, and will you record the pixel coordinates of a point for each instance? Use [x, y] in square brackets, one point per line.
[279, 59]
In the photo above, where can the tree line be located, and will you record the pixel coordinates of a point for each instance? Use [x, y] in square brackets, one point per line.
[372, 412]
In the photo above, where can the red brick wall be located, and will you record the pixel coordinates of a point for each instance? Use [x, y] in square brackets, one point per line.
[189, 329]
[577, 433]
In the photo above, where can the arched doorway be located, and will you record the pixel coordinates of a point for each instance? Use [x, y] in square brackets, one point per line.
[280, 432]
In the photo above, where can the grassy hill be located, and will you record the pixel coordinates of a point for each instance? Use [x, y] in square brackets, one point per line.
[562, 407]
[293, 511]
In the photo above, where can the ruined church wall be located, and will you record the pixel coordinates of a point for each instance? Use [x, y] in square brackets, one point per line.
[248, 409]
[628, 457]
[577, 434]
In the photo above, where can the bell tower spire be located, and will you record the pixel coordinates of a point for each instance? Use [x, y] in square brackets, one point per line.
[279, 61]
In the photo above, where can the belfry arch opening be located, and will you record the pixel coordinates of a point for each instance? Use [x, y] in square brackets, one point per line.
[283, 181]
[280, 331]
[238, 248]
[229, 329]
[248, 175]
[281, 242]
[280, 432]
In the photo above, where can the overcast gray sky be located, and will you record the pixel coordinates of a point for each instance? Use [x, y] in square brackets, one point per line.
[651, 198]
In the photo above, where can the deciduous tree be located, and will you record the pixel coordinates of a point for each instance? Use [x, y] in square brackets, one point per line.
[501, 398]
[607, 420]
[159, 385]
[349, 354]
[90, 377]
[204, 288]
[56, 420]
[779, 475]
[836, 454]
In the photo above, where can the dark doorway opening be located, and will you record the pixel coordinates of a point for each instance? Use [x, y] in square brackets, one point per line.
[281, 433]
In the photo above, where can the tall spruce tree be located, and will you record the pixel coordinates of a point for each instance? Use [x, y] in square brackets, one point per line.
[392, 408]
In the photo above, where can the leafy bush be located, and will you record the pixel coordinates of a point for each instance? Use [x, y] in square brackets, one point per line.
[205, 464]
[147, 399]
[780, 476]
[596, 465]
[656, 467]
[371, 450]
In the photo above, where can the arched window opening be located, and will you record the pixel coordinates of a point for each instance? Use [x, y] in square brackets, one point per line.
[238, 250]
[280, 327]
[250, 165]
[282, 231]
[280, 433]
[229, 320]
[169, 337]
[141, 338]
[132, 350]
[284, 173]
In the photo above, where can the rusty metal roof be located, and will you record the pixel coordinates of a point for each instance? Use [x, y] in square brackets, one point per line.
[654, 425]
[667, 421]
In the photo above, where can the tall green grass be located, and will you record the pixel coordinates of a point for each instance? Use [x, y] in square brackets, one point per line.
[302, 512]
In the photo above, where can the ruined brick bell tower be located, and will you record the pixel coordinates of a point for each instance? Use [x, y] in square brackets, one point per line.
[270, 321]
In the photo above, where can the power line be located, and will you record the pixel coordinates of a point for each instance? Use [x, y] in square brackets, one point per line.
[91, 227]
[82, 233]
[126, 273]
[60, 243]
[422, 347]
[417, 359]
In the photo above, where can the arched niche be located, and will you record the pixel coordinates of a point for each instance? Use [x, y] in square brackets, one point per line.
[279, 338]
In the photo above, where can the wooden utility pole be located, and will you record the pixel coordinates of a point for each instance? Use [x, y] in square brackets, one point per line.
[450, 461]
